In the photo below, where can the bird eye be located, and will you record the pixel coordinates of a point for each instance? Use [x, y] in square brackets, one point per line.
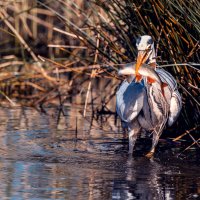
[150, 41]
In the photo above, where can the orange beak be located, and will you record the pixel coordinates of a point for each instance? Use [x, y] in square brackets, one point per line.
[141, 59]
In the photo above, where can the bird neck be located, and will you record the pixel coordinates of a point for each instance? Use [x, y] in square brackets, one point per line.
[130, 78]
[152, 58]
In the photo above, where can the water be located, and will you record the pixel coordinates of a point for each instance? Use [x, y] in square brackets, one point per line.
[54, 156]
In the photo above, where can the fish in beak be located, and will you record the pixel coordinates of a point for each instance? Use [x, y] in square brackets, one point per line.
[146, 71]
[141, 59]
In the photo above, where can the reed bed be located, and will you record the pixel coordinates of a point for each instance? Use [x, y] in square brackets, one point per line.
[48, 48]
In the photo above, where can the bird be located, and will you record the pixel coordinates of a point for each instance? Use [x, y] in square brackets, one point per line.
[141, 105]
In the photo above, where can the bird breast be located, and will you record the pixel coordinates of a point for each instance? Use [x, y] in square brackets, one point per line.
[129, 101]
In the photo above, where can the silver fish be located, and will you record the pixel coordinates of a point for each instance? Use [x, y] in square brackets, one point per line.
[144, 71]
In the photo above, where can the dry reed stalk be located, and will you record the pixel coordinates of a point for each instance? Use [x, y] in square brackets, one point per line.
[174, 25]
[66, 33]
[34, 24]
[196, 141]
[66, 46]
[185, 133]
[10, 63]
[93, 74]
[3, 14]
[192, 96]
[10, 100]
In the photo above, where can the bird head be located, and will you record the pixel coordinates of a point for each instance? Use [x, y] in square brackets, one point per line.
[145, 46]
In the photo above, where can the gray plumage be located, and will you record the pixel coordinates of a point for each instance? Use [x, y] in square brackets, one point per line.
[143, 106]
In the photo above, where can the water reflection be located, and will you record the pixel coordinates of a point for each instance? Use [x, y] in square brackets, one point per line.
[82, 158]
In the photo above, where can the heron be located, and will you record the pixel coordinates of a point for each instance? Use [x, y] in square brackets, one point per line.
[141, 105]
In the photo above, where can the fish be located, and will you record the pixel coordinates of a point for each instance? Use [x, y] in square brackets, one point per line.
[144, 71]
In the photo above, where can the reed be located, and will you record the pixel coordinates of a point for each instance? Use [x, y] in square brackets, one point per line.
[48, 47]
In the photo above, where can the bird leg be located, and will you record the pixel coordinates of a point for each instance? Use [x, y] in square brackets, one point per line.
[133, 130]
[155, 139]
[132, 139]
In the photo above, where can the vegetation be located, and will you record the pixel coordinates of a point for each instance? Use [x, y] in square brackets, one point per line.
[49, 47]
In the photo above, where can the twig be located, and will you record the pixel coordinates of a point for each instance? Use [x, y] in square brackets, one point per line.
[185, 133]
[189, 147]
[18, 35]
[93, 73]
[189, 94]
[194, 140]
[66, 46]
[10, 63]
[182, 64]
[11, 102]
[67, 33]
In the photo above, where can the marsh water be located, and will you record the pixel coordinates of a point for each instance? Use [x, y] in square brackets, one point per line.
[62, 155]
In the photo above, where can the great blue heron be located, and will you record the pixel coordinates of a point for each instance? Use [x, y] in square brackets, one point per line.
[142, 105]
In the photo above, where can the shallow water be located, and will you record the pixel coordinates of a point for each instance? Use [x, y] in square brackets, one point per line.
[54, 156]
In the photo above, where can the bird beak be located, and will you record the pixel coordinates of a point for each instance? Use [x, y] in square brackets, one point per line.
[141, 59]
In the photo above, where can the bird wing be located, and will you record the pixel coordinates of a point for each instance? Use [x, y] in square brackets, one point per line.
[175, 107]
[129, 100]
[175, 97]
[166, 77]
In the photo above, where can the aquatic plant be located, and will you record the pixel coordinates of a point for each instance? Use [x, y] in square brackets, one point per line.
[48, 48]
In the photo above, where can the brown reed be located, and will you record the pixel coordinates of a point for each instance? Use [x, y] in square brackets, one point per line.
[41, 41]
